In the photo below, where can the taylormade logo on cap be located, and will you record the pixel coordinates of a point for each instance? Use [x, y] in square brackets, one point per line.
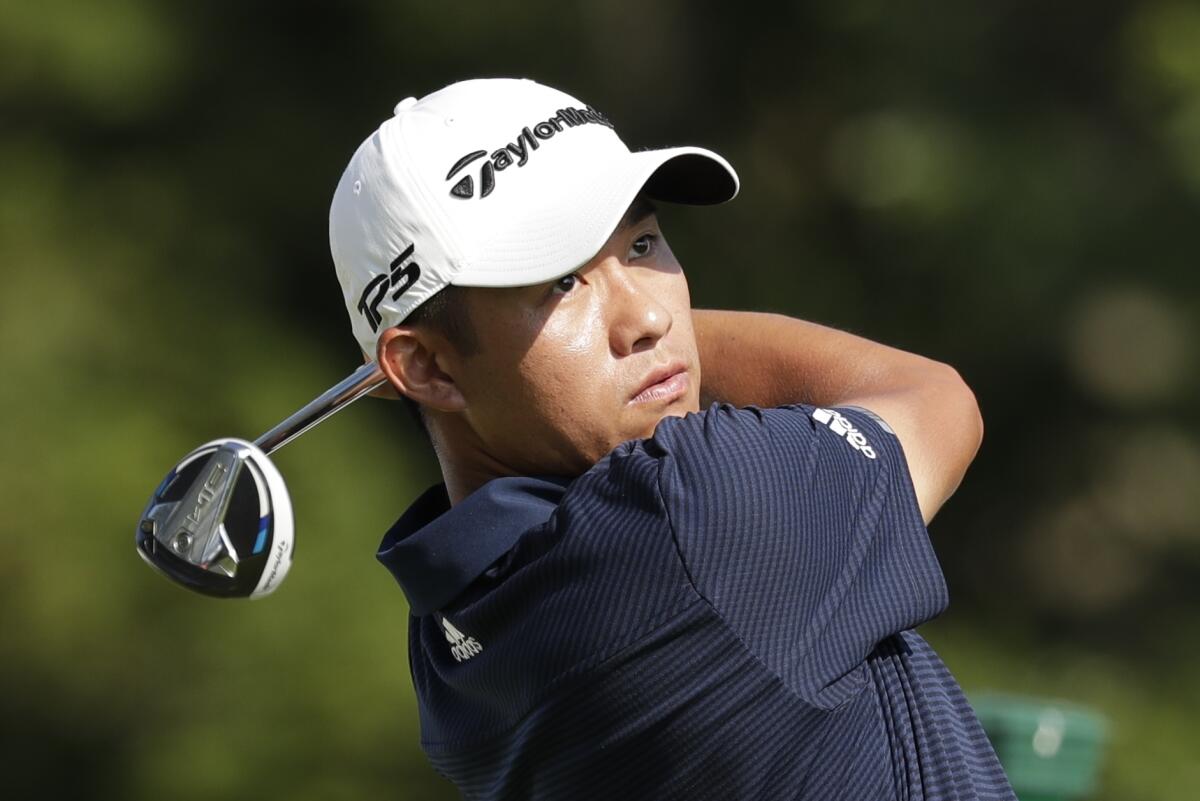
[527, 142]
[406, 220]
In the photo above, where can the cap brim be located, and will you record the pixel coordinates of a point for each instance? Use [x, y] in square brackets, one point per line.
[690, 175]
[565, 229]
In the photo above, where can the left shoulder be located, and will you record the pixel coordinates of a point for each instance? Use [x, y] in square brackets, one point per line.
[781, 438]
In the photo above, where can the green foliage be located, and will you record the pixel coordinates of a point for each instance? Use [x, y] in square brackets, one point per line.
[1012, 188]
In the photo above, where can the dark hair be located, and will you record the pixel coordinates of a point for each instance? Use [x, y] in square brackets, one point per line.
[445, 313]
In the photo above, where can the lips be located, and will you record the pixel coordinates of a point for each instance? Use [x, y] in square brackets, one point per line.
[663, 383]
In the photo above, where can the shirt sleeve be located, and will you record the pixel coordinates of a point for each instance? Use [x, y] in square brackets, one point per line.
[801, 527]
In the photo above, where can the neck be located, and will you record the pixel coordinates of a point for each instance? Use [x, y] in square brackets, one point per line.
[463, 479]
[465, 465]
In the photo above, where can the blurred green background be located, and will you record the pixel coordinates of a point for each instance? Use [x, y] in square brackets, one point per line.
[1012, 187]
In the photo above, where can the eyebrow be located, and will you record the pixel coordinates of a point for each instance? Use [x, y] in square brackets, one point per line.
[638, 210]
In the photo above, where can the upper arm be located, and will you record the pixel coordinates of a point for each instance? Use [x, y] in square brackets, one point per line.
[939, 426]
[800, 527]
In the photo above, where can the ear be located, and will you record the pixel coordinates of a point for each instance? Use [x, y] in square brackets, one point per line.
[384, 391]
[414, 363]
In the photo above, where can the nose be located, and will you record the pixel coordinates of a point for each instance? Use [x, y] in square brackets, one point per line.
[637, 319]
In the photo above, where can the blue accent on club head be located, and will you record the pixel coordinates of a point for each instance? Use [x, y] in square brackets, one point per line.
[164, 483]
[261, 542]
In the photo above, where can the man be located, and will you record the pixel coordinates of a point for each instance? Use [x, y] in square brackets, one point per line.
[621, 591]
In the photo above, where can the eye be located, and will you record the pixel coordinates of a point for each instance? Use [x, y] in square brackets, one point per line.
[565, 284]
[642, 246]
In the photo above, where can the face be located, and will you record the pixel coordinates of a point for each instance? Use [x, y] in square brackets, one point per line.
[569, 369]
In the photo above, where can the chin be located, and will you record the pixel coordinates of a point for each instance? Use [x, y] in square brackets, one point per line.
[674, 410]
[681, 408]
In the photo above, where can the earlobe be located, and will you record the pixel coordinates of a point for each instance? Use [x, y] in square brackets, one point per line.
[412, 362]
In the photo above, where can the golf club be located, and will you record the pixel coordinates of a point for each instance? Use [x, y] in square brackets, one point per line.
[220, 523]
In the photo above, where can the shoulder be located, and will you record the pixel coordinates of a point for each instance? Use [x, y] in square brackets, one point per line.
[726, 420]
[609, 526]
[793, 437]
[723, 421]
[774, 470]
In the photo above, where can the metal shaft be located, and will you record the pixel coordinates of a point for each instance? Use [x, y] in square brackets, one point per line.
[340, 395]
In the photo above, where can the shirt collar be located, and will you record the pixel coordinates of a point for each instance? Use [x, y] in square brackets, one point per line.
[435, 551]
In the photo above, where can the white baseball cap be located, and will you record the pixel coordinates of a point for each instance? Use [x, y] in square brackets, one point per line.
[491, 182]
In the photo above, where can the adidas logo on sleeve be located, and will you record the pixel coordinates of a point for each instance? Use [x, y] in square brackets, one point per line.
[839, 425]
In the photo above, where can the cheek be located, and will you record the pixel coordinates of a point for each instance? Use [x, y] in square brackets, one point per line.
[569, 367]
[677, 291]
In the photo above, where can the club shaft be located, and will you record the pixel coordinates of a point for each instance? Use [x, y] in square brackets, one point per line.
[339, 396]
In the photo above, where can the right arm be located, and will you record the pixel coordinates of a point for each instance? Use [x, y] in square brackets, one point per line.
[750, 358]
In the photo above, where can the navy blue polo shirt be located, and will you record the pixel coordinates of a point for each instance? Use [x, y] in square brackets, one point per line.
[722, 611]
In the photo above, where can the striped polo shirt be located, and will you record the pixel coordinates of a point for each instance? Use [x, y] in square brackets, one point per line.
[722, 611]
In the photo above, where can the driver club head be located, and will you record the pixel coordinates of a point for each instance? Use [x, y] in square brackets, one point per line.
[220, 523]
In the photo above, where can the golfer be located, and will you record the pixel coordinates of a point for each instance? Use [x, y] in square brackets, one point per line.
[677, 554]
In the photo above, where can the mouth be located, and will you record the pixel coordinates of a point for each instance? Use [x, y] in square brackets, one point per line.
[663, 385]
